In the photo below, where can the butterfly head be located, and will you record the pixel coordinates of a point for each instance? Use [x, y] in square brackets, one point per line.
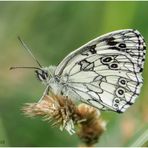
[45, 74]
[42, 74]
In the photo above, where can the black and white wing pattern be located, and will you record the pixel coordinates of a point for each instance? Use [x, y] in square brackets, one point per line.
[106, 72]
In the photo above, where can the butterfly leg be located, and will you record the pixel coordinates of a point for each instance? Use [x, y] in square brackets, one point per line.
[46, 91]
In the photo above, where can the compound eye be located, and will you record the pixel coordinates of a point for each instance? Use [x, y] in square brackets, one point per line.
[41, 75]
[44, 75]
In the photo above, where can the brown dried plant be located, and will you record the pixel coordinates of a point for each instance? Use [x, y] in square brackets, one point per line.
[81, 119]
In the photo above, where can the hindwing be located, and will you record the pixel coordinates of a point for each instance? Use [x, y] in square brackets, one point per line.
[106, 72]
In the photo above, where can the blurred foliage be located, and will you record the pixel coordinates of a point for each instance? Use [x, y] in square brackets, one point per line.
[52, 30]
[140, 139]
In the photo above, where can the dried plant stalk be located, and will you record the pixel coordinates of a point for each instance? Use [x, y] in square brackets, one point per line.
[82, 119]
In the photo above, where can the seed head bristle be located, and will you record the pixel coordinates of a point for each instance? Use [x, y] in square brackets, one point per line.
[62, 112]
[92, 127]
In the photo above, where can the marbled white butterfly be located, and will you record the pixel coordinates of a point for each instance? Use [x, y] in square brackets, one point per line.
[104, 73]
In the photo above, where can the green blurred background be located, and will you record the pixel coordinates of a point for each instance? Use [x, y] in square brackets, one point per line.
[52, 30]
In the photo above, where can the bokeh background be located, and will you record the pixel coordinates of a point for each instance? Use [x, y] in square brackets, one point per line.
[52, 30]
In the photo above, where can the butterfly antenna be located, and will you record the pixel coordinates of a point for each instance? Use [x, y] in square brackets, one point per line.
[26, 47]
[16, 67]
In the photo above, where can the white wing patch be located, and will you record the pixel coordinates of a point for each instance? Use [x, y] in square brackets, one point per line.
[106, 72]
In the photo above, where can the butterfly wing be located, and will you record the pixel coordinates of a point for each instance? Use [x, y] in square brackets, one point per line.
[106, 72]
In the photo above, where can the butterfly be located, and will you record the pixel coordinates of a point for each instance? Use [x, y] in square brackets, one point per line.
[105, 73]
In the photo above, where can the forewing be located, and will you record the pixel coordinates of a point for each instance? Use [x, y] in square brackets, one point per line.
[106, 72]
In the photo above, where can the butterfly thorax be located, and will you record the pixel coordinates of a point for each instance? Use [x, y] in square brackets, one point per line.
[55, 83]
